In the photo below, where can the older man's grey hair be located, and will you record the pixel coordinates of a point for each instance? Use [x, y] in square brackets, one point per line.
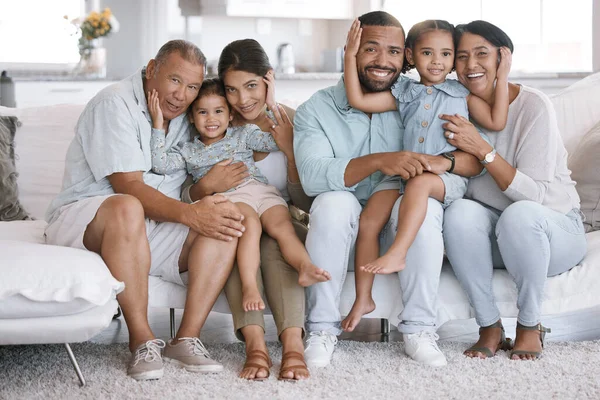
[187, 50]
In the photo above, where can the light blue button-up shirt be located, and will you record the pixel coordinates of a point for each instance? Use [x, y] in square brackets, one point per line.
[419, 108]
[113, 135]
[328, 133]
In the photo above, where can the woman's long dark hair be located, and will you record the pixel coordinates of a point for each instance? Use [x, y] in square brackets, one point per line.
[244, 55]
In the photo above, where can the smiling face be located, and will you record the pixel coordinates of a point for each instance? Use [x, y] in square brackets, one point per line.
[210, 115]
[476, 64]
[177, 82]
[433, 56]
[246, 92]
[380, 57]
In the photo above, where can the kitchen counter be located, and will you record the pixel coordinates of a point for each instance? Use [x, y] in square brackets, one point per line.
[309, 76]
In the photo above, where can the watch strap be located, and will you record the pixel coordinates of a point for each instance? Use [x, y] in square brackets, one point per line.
[450, 157]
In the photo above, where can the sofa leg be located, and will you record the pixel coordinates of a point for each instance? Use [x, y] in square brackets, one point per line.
[385, 326]
[172, 315]
[75, 365]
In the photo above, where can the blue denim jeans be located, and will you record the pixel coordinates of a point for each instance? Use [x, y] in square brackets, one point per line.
[531, 241]
[334, 218]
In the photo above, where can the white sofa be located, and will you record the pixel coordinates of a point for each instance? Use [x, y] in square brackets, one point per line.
[59, 295]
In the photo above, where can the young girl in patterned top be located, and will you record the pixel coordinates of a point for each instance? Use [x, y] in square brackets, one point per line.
[429, 48]
[260, 203]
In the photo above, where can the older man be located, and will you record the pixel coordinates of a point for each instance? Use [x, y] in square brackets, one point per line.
[114, 205]
[342, 155]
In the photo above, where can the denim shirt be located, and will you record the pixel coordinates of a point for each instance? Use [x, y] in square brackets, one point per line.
[419, 108]
[328, 133]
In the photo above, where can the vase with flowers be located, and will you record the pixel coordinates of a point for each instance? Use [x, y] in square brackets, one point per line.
[92, 62]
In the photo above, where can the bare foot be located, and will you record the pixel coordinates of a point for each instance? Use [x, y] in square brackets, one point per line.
[359, 308]
[251, 300]
[310, 274]
[386, 264]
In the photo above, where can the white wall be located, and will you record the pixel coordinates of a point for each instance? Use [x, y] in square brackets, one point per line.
[596, 36]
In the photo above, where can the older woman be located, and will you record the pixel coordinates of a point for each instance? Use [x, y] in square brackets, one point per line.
[523, 215]
[242, 67]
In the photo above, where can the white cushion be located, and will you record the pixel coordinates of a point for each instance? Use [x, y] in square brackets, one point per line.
[41, 145]
[574, 290]
[26, 231]
[577, 109]
[49, 280]
[58, 329]
[584, 163]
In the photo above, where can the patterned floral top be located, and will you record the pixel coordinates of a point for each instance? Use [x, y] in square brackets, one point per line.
[238, 144]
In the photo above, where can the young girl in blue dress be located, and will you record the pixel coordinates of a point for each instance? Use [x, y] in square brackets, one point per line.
[429, 49]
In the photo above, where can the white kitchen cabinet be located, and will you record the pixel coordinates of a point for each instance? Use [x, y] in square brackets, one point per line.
[43, 93]
[307, 9]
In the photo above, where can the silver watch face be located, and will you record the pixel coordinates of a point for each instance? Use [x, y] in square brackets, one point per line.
[489, 157]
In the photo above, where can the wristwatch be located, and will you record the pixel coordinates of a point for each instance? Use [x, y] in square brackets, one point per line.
[489, 157]
[450, 157]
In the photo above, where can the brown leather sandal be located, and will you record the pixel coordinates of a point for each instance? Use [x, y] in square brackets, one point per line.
[254, 354]
[292, 355]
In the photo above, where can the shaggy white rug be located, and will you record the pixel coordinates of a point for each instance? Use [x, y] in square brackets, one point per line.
[359, 370]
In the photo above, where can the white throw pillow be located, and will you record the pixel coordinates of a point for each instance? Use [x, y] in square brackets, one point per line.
[577, 109]
[584, 163]
[46, 280]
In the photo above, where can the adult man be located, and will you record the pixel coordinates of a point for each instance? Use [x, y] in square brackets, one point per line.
[342, 155]
[145, 229]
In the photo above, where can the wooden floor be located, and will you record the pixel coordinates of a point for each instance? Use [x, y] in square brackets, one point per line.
[577, 326]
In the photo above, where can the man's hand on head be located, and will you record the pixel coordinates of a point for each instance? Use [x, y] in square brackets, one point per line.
[216, 217]
[405, 164]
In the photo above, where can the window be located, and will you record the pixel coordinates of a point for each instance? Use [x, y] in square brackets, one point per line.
[34, 32]
[548, 35]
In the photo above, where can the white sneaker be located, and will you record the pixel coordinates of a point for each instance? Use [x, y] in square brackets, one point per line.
[422, 347]
[319, 349]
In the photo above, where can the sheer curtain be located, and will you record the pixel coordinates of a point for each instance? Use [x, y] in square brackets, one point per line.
[549, 35]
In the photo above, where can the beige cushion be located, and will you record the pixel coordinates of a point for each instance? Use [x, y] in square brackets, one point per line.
[584, 163]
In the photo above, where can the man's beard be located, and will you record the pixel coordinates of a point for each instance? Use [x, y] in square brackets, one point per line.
[372, 85]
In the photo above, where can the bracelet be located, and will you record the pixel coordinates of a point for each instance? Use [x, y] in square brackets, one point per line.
[452, 159]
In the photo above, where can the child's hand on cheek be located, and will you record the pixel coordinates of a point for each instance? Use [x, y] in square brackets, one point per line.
[155, 111]
[505, 63]
[353, 39]
[269, 79]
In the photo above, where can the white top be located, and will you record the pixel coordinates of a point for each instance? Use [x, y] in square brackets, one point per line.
[531, 143]
[274, 167]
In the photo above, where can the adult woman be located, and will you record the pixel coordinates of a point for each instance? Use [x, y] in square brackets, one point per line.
[242, 67]
[523, 214]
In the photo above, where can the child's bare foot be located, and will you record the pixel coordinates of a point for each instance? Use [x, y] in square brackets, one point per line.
[359, 308]
[386, 264]
[310, 274]
[251, 300]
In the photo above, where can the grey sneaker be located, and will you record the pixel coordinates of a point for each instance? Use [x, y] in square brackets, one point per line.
[190, 354]
[146, 362]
